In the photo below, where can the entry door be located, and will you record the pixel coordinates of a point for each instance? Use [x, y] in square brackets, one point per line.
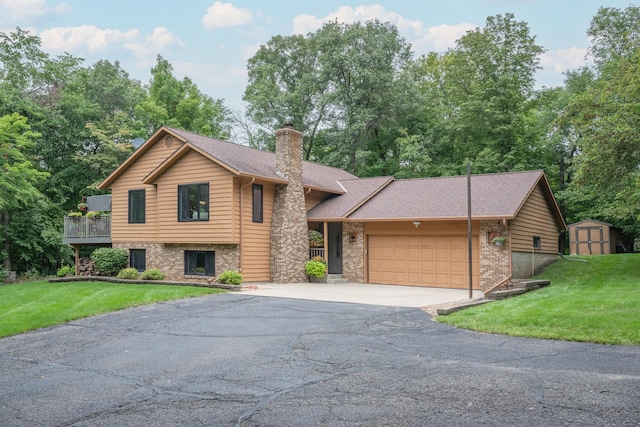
[335, 248]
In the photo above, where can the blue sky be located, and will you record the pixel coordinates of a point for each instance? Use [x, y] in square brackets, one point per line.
[211, 41]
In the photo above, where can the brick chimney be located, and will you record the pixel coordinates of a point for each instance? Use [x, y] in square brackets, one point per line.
[289, 238]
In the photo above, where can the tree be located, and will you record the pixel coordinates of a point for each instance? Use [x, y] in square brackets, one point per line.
[180, 104]
[18, 180]
[614, 34]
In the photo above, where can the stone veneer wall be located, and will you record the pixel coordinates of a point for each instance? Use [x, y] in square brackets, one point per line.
[170, 258]
[289, 238]
[494, 260]
[353, 252]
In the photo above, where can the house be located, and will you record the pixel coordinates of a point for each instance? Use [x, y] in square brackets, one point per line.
[194, 206]
[592, 237]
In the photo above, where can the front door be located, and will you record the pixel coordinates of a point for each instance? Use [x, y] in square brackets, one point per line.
[334, 242]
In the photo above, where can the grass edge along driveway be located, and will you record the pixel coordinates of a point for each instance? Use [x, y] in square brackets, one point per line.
[33, 305]
[597, 301]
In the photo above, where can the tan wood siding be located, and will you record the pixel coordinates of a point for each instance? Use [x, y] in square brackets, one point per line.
[433, 254]
[194, 168]
[534, 219]
[256, 237]
[131, 179]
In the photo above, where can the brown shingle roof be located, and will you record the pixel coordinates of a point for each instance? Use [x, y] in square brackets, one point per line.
[492, 196]
[250, 161]
[357, 191]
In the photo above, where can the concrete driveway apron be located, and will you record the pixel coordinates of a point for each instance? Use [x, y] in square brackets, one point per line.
[246, 360]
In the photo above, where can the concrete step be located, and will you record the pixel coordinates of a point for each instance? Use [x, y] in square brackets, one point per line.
[460, 306]
[507, 293]
[336, 279]
[530, 285]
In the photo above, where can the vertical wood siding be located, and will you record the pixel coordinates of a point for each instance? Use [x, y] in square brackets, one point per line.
[534, 219]
[131, 179]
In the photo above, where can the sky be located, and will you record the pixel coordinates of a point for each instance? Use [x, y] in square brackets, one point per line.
[210, 41]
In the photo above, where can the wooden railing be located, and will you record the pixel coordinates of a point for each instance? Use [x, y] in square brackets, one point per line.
[316, 252]
[82, 227]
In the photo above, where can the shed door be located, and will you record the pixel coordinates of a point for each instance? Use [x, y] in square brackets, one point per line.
[438, 261]
[590, 241]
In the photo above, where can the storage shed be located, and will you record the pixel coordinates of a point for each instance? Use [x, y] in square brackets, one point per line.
[592, 237]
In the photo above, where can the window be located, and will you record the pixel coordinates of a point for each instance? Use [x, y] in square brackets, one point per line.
[199, 263]
[136, 206]
[138, 259]
[256, 197]
[193, 202]
[537, 242]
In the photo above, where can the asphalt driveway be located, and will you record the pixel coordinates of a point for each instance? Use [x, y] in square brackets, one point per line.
[248, 360]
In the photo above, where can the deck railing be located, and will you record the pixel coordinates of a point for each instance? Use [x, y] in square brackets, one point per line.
[82, 227]
[316, 252]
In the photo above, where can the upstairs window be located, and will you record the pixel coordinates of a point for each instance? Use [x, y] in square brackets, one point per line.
[136, 206]
[193, 202]
[256, 197]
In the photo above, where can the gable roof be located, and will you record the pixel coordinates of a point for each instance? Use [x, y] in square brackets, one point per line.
[238, 159]
[493, 196]
[356, 193]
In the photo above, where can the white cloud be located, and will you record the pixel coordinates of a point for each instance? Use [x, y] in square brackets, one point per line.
[226, 15]
[441, 37]
[29, 10]
[89, 38]
[159, 41]
[422, 38]
[83, 38]
[561, 60]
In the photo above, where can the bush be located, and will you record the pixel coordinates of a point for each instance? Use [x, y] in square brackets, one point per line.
[230, 277]
[63, 270]
[128, 273]
[3, 275]
[152, 274]
[109, 261]
[316, 239]
[315, 268]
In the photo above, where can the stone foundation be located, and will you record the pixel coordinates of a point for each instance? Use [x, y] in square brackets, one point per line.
[353, 251]
[170, 258]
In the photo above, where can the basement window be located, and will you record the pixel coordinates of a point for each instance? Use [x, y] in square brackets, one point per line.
[199, 263]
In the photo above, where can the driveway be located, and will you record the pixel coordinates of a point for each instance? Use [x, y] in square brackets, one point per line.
[246, 360]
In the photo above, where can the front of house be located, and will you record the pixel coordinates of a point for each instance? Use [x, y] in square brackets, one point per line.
[196, 206]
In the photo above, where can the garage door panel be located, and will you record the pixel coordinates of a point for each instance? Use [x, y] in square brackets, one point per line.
[439, 261]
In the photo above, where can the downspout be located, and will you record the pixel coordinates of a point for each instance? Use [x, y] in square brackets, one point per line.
[240, 249]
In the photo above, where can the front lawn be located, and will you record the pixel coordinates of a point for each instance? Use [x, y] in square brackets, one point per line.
[597, 301]
[33, 305]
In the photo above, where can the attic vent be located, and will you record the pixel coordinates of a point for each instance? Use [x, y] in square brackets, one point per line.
[168, 140]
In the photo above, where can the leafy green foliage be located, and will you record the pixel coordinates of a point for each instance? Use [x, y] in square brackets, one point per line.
[152, 274]
[109, 261]
[64, 270]
[33, 305]
[595, 301]
[315, 268]
[128, 273]
[230, 277]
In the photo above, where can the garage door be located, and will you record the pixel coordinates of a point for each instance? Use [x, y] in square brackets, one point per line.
[438, 261]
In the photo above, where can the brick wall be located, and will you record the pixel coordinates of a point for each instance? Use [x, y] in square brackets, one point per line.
[495, 262]
[353, 251]
[170, 258]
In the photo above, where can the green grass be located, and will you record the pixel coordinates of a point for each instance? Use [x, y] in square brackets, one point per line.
[33, 305]
[598, 302]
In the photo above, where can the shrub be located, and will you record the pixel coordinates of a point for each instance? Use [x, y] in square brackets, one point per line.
[316, 239]
[152, 274]
[315, 268]
[109, 261]
[3, 274]
[128, 273]
[63, 271]
[230, 277]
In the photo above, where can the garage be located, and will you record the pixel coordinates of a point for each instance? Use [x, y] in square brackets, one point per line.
[421, 260]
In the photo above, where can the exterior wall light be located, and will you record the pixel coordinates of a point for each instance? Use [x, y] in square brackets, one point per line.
[416, 223]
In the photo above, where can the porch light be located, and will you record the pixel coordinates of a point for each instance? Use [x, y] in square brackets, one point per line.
[416, 223]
